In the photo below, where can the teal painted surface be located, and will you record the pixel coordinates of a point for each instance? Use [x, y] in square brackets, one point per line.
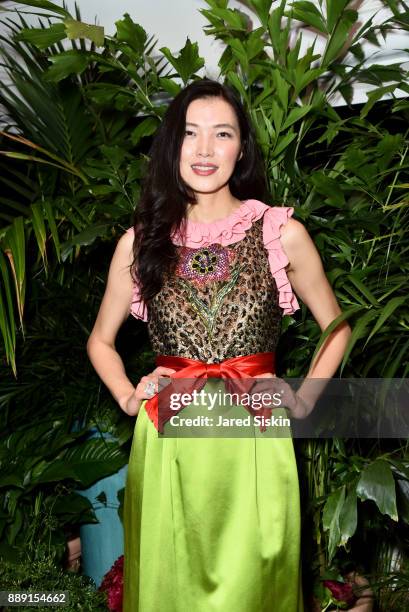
[102, 543]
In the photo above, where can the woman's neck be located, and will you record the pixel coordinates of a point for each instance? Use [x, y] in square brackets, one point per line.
[210, 207]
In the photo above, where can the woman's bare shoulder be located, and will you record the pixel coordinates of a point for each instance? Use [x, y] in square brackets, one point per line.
[124, 247]
[294, 236]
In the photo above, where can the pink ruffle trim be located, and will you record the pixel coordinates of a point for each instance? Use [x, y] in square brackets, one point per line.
[226, 231]
[233, 229]
[278, 260]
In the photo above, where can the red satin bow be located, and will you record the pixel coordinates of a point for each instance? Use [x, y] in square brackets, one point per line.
[242, 369]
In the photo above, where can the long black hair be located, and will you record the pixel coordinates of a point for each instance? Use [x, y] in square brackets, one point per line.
[165, 196]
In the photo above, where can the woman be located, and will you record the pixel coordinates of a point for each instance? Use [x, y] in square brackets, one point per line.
[211, 523]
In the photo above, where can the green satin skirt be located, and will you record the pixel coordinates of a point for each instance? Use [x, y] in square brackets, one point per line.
[211, 524]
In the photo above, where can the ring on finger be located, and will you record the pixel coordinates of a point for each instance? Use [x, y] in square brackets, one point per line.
[150, 388]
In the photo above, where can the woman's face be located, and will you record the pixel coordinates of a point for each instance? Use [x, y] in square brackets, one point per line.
[211, 145]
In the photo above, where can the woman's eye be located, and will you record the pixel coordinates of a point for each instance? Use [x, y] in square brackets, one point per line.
[188, 132]
[225, 134]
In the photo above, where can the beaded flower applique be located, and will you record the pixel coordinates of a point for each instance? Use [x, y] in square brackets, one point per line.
[206, 264]
[214, 265]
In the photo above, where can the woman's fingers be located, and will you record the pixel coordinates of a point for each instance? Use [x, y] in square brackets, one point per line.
[148, 386]
[144, 390]
[162, 371]
[277, 386]
[152, 377]
[159, 372]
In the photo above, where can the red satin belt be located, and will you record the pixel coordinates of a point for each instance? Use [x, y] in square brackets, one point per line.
[196, 372]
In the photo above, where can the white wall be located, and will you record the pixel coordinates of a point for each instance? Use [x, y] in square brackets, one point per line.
[171, 21]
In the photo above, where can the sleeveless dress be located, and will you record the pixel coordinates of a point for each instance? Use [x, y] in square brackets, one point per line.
[212, 524]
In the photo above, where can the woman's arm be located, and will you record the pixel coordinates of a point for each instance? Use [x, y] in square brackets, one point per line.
[113, 311]
[307, 277]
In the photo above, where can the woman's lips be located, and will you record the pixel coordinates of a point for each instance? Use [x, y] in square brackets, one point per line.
[203, 170]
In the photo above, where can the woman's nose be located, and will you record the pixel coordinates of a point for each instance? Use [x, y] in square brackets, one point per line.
[204, 146]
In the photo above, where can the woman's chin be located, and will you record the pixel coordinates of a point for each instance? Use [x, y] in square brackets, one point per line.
[204, 189]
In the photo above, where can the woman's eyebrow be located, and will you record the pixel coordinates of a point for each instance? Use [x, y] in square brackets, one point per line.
[218, 125]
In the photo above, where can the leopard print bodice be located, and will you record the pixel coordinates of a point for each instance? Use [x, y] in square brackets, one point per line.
[221, 302]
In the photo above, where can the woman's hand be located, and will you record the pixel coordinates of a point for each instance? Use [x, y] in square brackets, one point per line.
[299, 409]
[132, 403]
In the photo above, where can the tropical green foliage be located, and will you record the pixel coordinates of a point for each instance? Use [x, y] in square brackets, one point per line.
[47, 418]
[78, 136]
[44, 462]
[347, 176]
[80, 110]
[355, 496]
[45, 575]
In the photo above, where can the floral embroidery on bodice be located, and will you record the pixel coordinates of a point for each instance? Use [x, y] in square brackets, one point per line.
[212, 319]
[206, 264]
[229, 289]
[214, 266]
